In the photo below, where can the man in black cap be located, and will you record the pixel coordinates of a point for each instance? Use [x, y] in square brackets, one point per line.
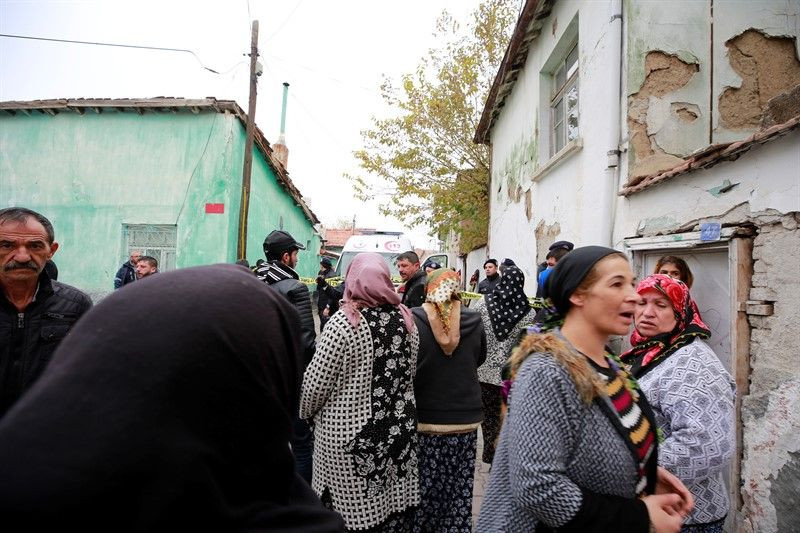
[326, 305]
[556, 251]
[492, 277]
[278, 272]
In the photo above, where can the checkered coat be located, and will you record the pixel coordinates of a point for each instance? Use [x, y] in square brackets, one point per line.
[359, 392]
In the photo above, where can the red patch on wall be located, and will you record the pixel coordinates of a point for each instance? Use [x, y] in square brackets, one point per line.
[215, 208]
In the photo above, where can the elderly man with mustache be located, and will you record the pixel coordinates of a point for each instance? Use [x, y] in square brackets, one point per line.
[35, 312]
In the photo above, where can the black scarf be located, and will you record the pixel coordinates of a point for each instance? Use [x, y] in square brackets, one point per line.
[569, 272]
[166, 408]
[507, 303]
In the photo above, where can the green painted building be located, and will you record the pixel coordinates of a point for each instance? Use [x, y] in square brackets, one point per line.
[161, 175]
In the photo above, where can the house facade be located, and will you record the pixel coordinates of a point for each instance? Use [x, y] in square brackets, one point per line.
[160, 175]
[671, 128]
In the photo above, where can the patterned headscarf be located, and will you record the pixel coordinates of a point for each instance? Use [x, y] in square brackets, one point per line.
[647, 352]
[507, 303]
[443, 307]
[442, 290]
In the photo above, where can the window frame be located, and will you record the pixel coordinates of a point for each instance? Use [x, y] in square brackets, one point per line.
[165, 252]
[559, 94]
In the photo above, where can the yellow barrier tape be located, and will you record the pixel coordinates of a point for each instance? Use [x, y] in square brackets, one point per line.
[536, 303]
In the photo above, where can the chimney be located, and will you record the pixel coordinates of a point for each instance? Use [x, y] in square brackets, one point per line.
[279, 148]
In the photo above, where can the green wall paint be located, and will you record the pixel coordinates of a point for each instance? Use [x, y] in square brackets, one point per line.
[91, 174]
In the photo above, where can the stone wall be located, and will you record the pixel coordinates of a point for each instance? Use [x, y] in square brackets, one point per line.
[771, 411]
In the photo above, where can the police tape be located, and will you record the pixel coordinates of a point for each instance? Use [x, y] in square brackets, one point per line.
[536, 303]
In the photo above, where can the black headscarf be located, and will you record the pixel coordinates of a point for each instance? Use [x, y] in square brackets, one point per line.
[569, 272]
[507, 303]
[166, 408]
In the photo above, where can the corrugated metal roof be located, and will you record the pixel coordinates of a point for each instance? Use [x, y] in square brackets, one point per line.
[164, 104]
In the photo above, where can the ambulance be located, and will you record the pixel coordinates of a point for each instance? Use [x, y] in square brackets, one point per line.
[389, 244]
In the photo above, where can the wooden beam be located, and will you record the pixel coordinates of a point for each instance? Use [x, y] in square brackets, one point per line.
[740, 265]
[244, 208]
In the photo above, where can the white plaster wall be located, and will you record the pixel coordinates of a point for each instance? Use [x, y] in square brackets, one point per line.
[575, 193]
[732, 17]
[475, 260]
[768, 178]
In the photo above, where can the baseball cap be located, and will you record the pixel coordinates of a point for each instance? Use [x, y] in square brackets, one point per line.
[280, 241]
[325, 261]
[566, 245]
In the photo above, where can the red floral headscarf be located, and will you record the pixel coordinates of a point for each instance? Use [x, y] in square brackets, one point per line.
[649, 351]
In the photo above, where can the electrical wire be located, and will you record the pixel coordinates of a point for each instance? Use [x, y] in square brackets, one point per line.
[321, 73]
[196, 166]
[282, 24]
[118, 45]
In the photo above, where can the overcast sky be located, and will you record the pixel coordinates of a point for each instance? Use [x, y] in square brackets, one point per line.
[333, 54]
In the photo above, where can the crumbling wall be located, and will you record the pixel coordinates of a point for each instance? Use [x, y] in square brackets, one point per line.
[771, 411]
[545, 236]
[768, 67]
[656, 123]
[782, 108]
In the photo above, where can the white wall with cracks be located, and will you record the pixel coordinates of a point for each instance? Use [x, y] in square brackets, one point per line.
[693, 73]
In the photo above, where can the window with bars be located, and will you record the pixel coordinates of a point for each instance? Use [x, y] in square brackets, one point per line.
[564, 102]
[157, 241]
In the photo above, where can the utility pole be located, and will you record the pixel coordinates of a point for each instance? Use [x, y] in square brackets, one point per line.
[241, 248]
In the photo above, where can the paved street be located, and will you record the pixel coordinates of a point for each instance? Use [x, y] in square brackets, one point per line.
[481, 478]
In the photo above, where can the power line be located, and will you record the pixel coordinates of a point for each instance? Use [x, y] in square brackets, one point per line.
[282, 24]
[118, 45]
[321, 73]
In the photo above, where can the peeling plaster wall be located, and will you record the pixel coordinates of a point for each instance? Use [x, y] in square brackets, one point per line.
[732, 18]
[747, 56]
[766, 178]
[768, 67]
[668, 80]
[570, 193]
[767, 195]
[771, 412]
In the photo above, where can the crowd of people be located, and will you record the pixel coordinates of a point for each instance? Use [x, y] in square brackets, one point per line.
[222, 408]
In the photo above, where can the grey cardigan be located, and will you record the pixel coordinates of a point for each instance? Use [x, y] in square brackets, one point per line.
[692, 395]
[559, 463]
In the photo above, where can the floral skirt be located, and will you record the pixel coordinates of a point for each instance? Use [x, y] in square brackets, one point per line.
[446, 476]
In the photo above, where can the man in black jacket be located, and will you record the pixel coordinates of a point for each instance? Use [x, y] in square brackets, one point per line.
[326, 306]
[127, 272]
[278, 272]
[36, 313]
[492, 277]
[414, 278]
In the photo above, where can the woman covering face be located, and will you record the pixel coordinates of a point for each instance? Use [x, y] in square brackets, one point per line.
[177, 418]
[691, 393]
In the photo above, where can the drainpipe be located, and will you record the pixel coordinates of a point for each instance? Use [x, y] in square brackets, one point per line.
[610, 187]
[279, 149]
